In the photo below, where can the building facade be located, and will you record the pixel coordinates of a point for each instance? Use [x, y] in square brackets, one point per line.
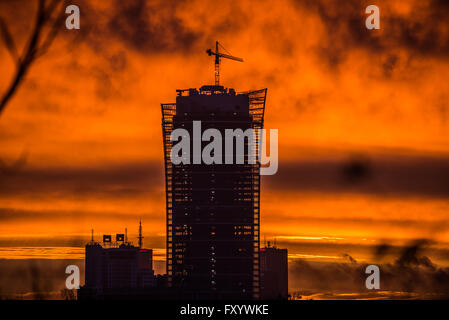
[213, 210]
[118, 266]
[274, 273]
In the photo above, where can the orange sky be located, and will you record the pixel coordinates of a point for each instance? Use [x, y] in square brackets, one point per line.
[88, 121]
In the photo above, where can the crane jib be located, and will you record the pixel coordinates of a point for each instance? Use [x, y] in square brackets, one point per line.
[219, 55]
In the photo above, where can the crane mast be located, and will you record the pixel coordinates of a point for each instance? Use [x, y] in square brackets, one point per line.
[218, 55]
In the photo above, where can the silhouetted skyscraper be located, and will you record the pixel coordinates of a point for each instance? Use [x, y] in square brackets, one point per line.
[213, 210]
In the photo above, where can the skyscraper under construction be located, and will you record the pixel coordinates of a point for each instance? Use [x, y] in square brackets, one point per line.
[213, 209]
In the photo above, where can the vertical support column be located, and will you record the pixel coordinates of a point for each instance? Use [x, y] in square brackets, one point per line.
[168, 111]
[257, 109]
[217, 65]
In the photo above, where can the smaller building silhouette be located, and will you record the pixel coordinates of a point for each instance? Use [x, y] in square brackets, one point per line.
[122, 266]
[274, 273]
[117, 265]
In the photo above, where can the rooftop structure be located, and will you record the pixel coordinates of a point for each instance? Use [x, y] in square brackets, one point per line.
[118, 264]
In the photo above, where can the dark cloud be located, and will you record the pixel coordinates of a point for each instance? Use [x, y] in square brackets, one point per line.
[356, 170]
[11, 169]
[151, 26]
[411, 254]
[349, 257]
[412, 273]
[389, 64]
[389, 176]
[399, 176]
[141, 25]
[422, 34]
[35, 279]
[329, 280]
[108, 180]
[384, 251]
[436, 225]
[41, 278]
[157, 26]
[9, 214]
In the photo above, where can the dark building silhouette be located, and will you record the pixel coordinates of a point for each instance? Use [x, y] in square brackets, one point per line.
[274, 273]
[213, 209]
[117, 265]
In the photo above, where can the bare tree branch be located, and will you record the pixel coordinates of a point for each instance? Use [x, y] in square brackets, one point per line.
[47, 17]
[9, 41]
[35, 47]
[55, 27]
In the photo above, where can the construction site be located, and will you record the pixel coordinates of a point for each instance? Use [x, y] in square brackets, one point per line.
[212, 210]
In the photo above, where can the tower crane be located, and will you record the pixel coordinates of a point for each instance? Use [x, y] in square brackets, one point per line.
[218, 55]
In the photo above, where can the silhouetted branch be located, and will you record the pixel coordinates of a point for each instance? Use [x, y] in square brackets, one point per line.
[35, 47]
[9, 41]
[57, 22]
[49, 16]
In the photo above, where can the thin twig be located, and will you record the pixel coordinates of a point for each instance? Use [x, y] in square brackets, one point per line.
[34, 47]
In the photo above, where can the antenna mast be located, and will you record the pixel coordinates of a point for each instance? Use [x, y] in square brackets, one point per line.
[140, 237]
[126, 235]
